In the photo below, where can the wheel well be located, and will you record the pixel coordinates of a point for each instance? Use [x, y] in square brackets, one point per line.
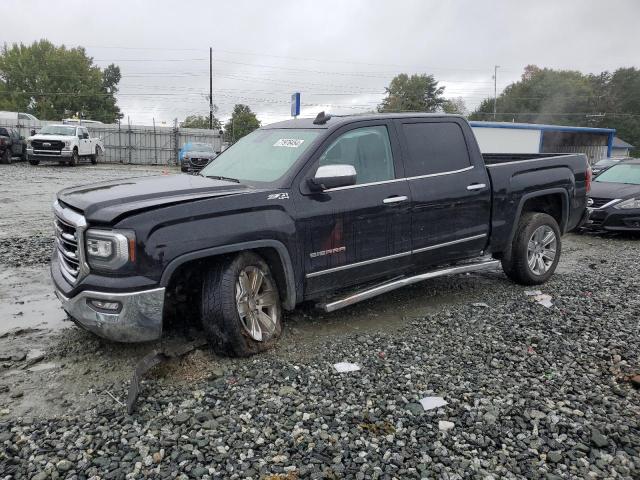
[551, 204]
[183, 288]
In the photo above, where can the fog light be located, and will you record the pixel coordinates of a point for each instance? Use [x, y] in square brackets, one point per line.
[105, 305]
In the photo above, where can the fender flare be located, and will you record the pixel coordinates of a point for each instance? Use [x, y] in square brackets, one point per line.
[290, 300]
[542, 193]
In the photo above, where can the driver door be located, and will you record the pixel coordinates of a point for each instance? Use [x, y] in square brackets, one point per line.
[360, 232]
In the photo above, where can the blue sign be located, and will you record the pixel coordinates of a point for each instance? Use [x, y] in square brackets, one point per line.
[295, 104]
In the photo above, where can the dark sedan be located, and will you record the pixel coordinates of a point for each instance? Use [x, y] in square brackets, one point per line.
[614, 202]
[196, 156]
[606, 163]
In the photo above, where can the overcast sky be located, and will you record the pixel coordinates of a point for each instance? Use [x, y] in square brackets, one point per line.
[339, 54]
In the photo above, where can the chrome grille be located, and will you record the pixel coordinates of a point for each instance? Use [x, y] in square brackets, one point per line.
[599, 202]
[69, 227]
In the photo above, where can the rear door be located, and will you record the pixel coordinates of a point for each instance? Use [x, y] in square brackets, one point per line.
[451, 197]
[356, 233]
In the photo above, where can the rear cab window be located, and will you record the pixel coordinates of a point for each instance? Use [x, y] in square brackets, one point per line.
[434, 148]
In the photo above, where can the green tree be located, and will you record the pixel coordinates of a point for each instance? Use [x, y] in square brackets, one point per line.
[242, 122]
[542, 95]
[455, 106]
[415, 93]
[200, 121]
[52, 82]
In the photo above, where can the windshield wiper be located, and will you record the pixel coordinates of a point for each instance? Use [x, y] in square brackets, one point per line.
[219, 177]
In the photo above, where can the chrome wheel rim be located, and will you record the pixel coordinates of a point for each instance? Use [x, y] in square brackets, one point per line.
[541, 250]
[257, 302]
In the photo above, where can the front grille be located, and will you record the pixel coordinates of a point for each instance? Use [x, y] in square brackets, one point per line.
[50, 145]
[67, 243]
[69, 226]
[199, 162]
[599, 202]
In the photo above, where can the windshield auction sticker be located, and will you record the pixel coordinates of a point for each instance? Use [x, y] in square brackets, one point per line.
[288, 142]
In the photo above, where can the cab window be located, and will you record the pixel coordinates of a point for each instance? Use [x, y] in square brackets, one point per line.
[367, 149]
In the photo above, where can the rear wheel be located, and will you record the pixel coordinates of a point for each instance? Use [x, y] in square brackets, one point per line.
[6, 156]
[75, 158]
[241, 311]
[535, 250]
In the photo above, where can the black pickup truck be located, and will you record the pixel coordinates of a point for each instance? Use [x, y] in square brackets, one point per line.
[331, 209]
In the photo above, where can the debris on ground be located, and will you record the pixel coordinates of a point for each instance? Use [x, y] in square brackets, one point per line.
[429, 403]
[480, 305]
[539, 297]
[445, 426]
[345, 367]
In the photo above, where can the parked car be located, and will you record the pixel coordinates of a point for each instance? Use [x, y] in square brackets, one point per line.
[79, 121]
[17, 117]
[64, 144]
[606, 163]
[614, 201]
[194, 156]
[309, 210]
[12, 145]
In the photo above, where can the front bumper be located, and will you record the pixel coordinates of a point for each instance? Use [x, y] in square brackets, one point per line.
[139, 318]
[54, 155]
[614, 220]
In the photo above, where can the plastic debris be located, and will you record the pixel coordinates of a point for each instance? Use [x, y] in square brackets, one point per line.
[480, 305]
[344, 367]
[429, 403]
[445, 426]
[544, 300]
[539, 297]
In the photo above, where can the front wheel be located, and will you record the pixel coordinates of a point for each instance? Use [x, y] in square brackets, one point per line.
[75, 158]
[241, 312]
[535, 250]
[94, 158]
[34, 161]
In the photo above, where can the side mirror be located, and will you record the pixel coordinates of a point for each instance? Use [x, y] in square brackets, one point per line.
[333, 176]
[33, 132]
[21, 137]
[85, 136]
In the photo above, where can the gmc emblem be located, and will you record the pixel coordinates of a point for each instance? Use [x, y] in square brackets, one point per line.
[46, 144]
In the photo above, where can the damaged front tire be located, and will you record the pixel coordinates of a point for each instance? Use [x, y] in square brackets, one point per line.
[241, 311]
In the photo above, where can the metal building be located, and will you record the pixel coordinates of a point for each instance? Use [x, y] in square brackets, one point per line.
[505, 137]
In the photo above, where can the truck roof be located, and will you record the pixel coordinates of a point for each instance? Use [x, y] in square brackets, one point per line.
[336, 120]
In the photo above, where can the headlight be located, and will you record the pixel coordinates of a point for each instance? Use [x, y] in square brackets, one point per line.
[28, 143]
[628, 204]
[110, 249]
[67, 143]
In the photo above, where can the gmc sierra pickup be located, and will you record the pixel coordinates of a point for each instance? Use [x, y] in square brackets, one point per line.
[331, 209]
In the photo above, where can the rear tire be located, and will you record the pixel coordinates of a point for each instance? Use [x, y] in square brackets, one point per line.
[535, 250]
[75, 158]
[6, 157]
[240, 319]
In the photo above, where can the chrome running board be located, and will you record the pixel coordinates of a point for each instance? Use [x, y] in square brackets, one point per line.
[371, 292]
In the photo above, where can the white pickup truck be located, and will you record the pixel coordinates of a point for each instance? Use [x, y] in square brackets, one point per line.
[64, 144]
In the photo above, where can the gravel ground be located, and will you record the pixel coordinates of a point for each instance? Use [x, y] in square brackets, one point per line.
[532, 392]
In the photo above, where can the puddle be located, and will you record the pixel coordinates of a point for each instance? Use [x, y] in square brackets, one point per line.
[27, 300]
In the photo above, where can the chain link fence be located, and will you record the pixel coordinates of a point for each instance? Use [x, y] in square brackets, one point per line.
[134, 144]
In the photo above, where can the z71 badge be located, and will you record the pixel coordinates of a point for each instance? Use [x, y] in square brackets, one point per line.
[278, 196]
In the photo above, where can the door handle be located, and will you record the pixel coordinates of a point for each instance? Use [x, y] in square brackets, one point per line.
[395, 199]
[476, 186]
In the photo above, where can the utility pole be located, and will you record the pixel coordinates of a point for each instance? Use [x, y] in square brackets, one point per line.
[495, 90]
[210, 88]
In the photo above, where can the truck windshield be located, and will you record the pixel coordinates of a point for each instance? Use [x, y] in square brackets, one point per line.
[58, 130]
[262, 156]
[625, 173]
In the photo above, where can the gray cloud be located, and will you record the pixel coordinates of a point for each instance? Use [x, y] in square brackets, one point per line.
[339, 54]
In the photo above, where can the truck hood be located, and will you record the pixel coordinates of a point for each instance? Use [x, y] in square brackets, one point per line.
[611, 190]
[62, 138]
[106, 201]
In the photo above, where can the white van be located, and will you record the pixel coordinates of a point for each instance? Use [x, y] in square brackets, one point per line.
[17, 116]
